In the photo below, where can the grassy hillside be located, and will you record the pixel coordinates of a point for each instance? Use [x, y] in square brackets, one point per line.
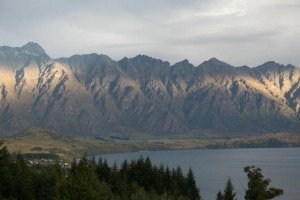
[36, 141]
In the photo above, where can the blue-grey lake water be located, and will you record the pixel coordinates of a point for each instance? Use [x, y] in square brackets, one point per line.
[213, 167]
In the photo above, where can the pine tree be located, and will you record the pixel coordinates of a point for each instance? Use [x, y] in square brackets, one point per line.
[158, 184]
[229, 193]
[167, 181]
[258, 186]
[82, 183]
[220, 196]
[124, 170]
[5, 173]
[22, 183]
[148, 180]
[44, 182]
[115, 180]
[192, 189]
[178, 182]
[103, 170]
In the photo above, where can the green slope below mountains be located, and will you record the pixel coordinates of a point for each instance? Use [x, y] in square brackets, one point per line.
[39, 141]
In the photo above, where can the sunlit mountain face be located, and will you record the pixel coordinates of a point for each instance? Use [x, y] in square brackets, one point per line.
[95, 95]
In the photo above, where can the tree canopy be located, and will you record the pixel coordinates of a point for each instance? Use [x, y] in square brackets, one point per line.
[258, 186]
[132, 180]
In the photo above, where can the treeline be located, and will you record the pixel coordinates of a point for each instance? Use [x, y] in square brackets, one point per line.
[87, 179]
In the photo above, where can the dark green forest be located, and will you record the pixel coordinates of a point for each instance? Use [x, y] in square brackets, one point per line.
[87, 179]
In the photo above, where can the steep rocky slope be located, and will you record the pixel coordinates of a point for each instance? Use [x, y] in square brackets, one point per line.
[95, 95]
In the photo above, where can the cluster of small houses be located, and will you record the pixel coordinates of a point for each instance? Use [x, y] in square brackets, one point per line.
[47, 162]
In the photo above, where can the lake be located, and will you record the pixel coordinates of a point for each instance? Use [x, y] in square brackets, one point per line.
[213, 167]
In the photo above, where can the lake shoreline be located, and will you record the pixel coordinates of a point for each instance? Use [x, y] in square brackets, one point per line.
[45, 142]
[212, 167]
[280, 140]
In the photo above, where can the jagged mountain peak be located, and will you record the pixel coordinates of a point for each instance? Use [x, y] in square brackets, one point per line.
[141, 66]
[183, 62]
[214, 66]
[215, 62]
[29, 51]
[89, 60]
[144, 59]
[32, 48]
[271, 62]
[213, 59]
[182, 66]
[269, 66]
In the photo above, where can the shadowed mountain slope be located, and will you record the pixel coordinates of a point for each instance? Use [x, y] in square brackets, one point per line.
[95, 95]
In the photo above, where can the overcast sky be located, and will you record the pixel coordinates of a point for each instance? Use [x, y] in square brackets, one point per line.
[239, 32]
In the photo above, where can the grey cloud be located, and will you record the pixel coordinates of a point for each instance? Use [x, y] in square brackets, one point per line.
[169, 29]
[223, 39]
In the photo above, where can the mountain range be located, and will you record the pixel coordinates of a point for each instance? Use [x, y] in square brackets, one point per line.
[93, 95]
